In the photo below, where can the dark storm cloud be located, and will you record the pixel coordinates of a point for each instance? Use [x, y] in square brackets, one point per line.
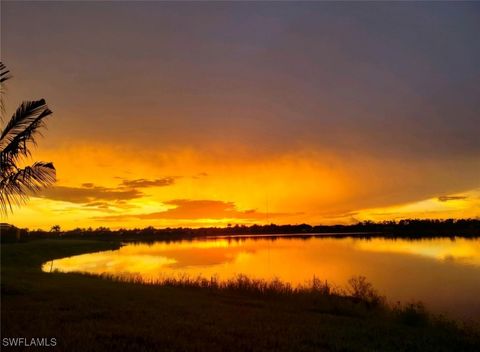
[397, 79]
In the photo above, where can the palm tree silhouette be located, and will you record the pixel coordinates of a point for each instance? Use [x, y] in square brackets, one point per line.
[16, 182]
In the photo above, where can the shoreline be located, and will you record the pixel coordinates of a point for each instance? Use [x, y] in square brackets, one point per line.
[60, 305]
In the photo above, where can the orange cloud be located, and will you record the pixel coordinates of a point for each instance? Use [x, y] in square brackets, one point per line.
[187, 209]
[90, 193]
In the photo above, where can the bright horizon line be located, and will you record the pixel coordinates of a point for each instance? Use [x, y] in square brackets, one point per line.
[394, 221]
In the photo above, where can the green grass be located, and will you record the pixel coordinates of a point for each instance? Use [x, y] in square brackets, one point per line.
[88, 313]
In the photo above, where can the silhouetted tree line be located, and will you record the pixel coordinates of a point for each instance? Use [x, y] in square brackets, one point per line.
[410, 228]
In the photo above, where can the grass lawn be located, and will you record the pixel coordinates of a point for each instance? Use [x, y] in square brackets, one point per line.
[86, 313]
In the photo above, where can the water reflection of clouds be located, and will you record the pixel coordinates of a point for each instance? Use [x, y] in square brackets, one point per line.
[99, 263]
[459, 250]
[426, 270]
[214, 251]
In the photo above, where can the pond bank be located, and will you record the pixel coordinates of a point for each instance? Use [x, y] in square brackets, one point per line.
[87, 313]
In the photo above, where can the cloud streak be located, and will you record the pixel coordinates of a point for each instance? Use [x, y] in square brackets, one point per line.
[449, 198]
[144, 183]
[187, 209]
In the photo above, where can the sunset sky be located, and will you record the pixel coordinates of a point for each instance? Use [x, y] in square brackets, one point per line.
[205, 114]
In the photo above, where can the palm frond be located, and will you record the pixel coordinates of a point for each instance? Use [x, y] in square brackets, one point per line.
[15, 187]
[16, 184]
[4, 75]
[21, 130]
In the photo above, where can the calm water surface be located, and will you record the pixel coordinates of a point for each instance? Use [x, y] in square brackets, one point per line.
[443, 273]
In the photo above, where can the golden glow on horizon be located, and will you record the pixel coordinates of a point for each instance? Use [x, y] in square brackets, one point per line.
[215, 189]
[464, 205]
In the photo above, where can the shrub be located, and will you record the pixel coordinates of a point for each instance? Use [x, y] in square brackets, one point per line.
[413, 313]
[362, 290]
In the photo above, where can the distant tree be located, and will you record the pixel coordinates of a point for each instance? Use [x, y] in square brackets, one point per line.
[17, 183]
[55, 228]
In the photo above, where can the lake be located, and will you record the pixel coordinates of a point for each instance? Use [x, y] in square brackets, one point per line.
[444, 273]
